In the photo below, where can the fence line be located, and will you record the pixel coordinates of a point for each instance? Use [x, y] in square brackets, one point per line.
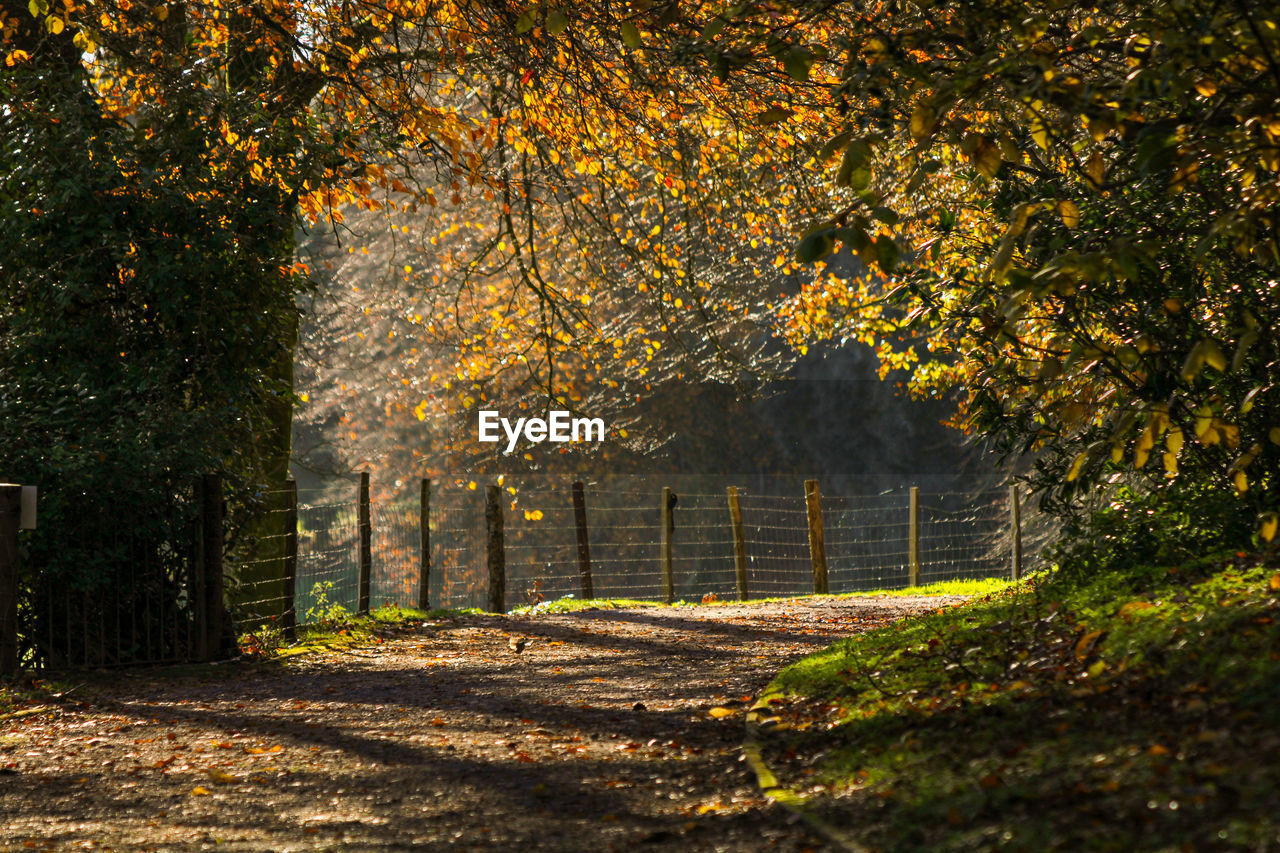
[305, 559]
[617, 544]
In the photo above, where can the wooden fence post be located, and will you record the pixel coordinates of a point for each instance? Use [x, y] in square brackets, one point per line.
[668, 536]
[212, 627]
[817, 541]
[365, 523]
[739, 543]
[587, 588]
[1015, 524]
[10, 514]
[913, 538]
[424, 557]
[496, 556]
[289, 618]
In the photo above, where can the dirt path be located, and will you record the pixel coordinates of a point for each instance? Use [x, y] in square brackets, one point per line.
[597, 737]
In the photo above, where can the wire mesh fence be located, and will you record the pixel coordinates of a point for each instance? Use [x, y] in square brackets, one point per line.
[868, 545]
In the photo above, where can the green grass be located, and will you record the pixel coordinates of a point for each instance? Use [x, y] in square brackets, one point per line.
[569, 604]
[341, 628]
[1137, 710]
[573, 605]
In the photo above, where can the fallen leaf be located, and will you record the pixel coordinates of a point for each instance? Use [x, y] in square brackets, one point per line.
[199, 791]
[1086, 643]
[720, 713]
[221, 776]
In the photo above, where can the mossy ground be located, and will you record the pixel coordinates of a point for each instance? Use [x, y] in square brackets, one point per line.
[1135, 710]
[568, 604]
[341, 628]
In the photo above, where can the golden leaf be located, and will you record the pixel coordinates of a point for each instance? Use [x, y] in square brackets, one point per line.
[1267, 530]
[1076, 465]
[1084, 646]
[1070, 213]
[922, 121]
[1096, 170]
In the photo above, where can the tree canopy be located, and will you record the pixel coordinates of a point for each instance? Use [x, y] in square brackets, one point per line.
[1065, 211]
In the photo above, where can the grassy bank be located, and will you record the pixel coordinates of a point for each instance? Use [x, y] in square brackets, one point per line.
[1129, 711]
[569, 604]
[339, 627]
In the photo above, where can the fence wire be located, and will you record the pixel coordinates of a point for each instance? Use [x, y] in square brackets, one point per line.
[867, 541]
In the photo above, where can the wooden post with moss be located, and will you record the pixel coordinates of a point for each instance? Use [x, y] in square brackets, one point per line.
[1015, 530]
[289, 618]
[365, 525]
[913, 538]
[817, 540]
[739, 543]
[668, 536]
[585, 584]
[10, 515]
[424, 552]
[494, 548]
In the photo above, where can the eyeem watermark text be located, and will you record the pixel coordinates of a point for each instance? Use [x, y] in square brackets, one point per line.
[558, 426]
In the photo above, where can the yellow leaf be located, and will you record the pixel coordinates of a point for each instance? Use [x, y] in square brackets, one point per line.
[1096, 170]
[199, 791]
[162, 13]
[1213, 355]
[1174, 440]
[1097, 669]
[54, 24]
[1039, 130]
[1170, 463]
[1076, 466]
[1086, 643]
[720, 713]
[987, 158]
[1273, 435]
[1241, 482]
[1135, 607]
[922, 121]
[1207, 87]
[1070, 213]
[1270, 523]
[221, 776]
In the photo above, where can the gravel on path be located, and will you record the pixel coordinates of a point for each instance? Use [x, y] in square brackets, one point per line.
[598, 736]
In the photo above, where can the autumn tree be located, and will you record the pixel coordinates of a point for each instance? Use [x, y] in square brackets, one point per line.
[1071, 208]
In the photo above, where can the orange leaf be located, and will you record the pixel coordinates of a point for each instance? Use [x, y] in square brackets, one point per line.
[1086, 643]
